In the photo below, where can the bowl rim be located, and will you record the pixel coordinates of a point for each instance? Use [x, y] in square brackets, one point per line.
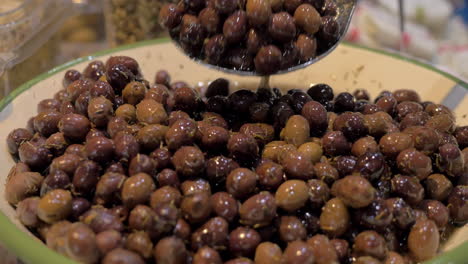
[31, 250]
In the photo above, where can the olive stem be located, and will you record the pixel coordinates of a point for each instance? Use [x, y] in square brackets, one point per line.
[265, 82]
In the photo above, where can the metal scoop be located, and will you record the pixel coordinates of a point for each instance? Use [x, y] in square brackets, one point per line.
[345, 10]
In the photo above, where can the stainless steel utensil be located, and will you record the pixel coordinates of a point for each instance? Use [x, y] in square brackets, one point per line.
[345, 10]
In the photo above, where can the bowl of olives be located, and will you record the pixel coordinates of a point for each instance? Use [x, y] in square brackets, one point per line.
[140, 155]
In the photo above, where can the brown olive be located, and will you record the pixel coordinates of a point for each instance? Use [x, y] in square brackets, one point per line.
[326, 172]
[36, 157]
[291, 229]
[70, 76]
[387, 104]
[215, 138]
[450, 160]
[324, 251]
[82, 103]
[55, 180]
[438, 187]
[168, 177]
[214, 233]
[149, 111]
[139, 242]
[94, 132]
[55, 236]
[85, 177]
[262, 132]
[312, 151]
[403, 214]
[115, 167]
[209, 19]
[108, 186]
[292, 195]
[207, 255]
[170, 250]
[296, 131]
[423, 240]
[67, 163]
[181, 133]
[319, 193]
[240, 260]
[258, 12]
[370, 243]
[217, 168]
[81, 243]
[224, 205]
[141, 163]
[162, 157]
[412, 162]
[46, 122]
[259, 210]
[268, 60]
[334, 143]
[100, 110]
[150, 137]
[101, 219]
[243, 148]
[191, 33]
[341, 248]
[56, 143]
[79, 206]
[165, 194]
[394, 258]
[270, 175]
[296, 165]
[189, 187]
[307, 17]
[77, 87]
[108, 240]
[243, 241]
[392, 144]
[21, 185]
[334, 219]
[275, 150]
[100, 149]
[176, 115]
[442, 123]
[241, 182]
[196, 208]
[137, 189]
[363, 145]
[127, 112]
[298, 252]
[457, 203]
[54, 206]
[235, 27]
[316, 114]
[26, 211]
[159, 93]
[355, 191]
[16, 137]
[126, 146]
[188, 161]
[133, 93]
[74, 126]
[122, 256]
[436, 211]
[76, 149]
[366, 260]
[268, 253]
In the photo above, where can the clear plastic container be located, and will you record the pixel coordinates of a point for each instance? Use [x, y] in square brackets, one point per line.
[27, 41]
[128, 21]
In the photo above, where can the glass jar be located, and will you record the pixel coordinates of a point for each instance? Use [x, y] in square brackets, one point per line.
[128, 21]
[28, 44]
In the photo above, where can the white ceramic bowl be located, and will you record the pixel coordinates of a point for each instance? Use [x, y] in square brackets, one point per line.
[348, 68]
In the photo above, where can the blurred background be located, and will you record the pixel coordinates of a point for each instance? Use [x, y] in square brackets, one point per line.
[36, 35]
